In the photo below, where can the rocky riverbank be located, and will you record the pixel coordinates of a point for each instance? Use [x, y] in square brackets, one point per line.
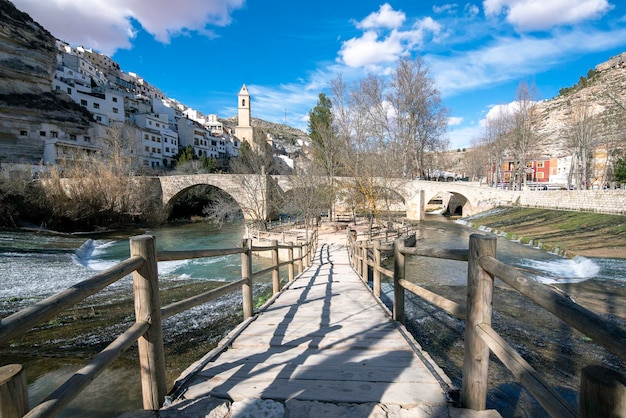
[563, 232]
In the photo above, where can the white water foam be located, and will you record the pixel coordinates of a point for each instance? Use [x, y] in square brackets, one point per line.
[575, 270]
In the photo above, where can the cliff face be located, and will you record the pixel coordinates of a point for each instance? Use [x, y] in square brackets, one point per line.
[27, 53]
[29, 110]
[603, 92]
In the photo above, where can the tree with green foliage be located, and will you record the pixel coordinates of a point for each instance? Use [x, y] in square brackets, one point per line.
[327, 149]
[186, 161]
[619, 170]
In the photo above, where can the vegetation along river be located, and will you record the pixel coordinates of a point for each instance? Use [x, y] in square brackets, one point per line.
[33, 266]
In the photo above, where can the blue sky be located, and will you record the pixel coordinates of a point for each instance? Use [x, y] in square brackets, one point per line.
[200, 52]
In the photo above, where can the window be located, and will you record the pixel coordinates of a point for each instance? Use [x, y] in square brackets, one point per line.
[87, 139]
[540, 164]
[23, 133]
[42, 133]
[115, 99]
[96, 105]
[243, 102]
[147, 149]
[69, 90]
[115, 110]
[83, 102]
[73, 137]
[54, 134]
[158, 150]
[539, 175]
[146, 137]
[99, 118]
[158, 125]
[167, 149]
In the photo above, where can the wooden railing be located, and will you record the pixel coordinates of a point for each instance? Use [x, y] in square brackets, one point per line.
[149, 313]
[602, 392]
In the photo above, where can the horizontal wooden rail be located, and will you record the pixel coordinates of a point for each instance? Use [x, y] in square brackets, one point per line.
[609, 335]
[42, 311]
[453, 308]
[547, 397]
[386, 272]
[264, 271]
[183, 305]
[189, 254]
[64, 394]
[450, 254]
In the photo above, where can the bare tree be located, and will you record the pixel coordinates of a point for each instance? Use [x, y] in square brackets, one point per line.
[496, 138]
[524, 137]
[580, 136]
[419, 117]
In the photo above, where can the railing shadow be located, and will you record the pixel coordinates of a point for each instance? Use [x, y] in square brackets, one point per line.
[318, 365]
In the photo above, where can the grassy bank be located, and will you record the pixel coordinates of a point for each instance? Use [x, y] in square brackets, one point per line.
[568, 233]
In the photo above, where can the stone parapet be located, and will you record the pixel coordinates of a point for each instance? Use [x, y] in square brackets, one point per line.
[600, 201]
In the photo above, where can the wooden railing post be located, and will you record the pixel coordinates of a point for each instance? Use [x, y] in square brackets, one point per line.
[148, 308]
[479, 307]
[246, 274]
[366, 266]
[300, 261]
[398, 274]
[290, 266]
[307, 254]
[376, 277]
[13, 391]
[276, 271]
[602, 393]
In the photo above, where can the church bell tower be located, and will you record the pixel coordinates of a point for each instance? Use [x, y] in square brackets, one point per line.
[244, 130]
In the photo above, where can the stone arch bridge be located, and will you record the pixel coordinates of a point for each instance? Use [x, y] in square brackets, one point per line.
[251, 192]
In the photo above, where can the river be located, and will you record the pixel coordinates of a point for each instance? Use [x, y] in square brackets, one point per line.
[34, 265]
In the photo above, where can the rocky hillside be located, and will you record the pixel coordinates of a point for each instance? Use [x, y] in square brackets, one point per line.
[27, 53]
[603, 90]
[27, 104]
[285, 137]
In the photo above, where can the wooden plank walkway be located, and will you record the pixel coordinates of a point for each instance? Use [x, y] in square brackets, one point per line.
[324, 339]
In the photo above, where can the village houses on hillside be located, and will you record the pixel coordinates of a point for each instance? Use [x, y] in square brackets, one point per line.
[160, 126]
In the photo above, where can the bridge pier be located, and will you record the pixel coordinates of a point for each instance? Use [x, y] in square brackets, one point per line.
[416, 206]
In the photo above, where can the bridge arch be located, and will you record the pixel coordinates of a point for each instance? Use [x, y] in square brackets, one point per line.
[250, 191]
[208, 193]
[453, 202]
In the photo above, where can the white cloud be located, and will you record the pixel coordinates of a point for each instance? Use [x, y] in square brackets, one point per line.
[373, 49]
[471, 10]
[107, 25]
[446, 8]
[529, 15]
[455, 120]
[464, 137]
[515, 58]
[386, 17]
[369, 50]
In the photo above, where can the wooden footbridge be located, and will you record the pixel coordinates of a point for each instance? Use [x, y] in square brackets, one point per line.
[324, 339]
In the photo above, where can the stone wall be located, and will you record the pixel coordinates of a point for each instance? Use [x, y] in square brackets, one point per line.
[600, 201]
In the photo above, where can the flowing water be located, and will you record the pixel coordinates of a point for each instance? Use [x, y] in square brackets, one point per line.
[34, 266]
